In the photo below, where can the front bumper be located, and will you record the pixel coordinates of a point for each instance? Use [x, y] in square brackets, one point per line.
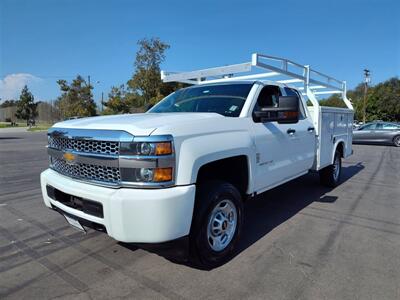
[129, 215]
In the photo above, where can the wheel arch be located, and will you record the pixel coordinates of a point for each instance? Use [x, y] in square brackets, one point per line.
[233, 169]
[341, 147]
[394, 137]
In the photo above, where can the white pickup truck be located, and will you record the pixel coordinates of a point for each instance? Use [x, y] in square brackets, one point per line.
[184, 168]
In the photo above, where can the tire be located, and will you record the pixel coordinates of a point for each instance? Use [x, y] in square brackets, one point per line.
[330, 176]
[217, 224]
[396, 141]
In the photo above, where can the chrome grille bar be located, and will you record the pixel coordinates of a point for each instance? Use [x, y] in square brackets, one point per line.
[88, 155]
[100, 147]
[87, 171]
[85, 158]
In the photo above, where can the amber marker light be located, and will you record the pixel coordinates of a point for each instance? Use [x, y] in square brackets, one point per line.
[163, 148]
[291, 114]
[162, 174]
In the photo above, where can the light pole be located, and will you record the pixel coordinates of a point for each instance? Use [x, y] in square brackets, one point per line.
[367, 80]
[102, 97]
[102, 94]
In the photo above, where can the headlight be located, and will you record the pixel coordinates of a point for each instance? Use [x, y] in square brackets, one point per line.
[147, 161]
[146, 148]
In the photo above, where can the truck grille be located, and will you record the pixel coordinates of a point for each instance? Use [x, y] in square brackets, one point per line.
[86, 171]
[87, 146]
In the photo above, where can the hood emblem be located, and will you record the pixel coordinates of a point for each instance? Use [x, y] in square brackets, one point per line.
[69, 158]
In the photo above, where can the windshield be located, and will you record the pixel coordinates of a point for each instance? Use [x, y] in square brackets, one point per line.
[226, 100]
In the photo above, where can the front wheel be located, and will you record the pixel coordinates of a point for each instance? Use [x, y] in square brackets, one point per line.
[217, 223]
[396, 141]
[330, 176]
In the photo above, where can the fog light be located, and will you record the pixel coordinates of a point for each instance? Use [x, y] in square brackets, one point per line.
[145, 175]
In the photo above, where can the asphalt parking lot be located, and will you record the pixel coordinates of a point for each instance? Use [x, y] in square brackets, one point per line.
[301, 241]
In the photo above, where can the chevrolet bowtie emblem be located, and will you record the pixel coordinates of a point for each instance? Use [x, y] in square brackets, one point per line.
[69, 157]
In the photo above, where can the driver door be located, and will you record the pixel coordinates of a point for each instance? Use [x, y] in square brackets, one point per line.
[277, 145]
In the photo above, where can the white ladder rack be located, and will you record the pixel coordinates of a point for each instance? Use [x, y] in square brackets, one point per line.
[312, 82]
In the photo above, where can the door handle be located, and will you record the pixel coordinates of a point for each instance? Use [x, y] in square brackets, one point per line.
[290, 131]
[310, 129]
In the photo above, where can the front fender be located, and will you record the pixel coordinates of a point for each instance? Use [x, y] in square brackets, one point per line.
[197, 151]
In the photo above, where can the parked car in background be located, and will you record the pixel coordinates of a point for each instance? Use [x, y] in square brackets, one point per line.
[378, 132]
[72, 118]
[357, 125]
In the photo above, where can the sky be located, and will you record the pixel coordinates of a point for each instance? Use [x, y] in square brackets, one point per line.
[42, 41]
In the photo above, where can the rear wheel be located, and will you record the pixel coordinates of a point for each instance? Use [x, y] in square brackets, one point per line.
[217, 223]
[330, 176]
[396, 141]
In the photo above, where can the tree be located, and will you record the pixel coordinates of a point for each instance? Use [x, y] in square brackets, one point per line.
[146, 80]
[120, 101]
[8, 103]
[383, 102]
[334, 101]
[145, 87]
[76, 98]
[357, 99]
[26, 106]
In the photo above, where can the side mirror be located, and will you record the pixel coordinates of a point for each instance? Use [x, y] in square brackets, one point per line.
[286, 112]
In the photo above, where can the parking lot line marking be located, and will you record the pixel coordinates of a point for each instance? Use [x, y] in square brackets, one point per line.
[41, 254]
[145, 281]
[52, 267]
[324, 251]
[14, 194]
[347, 222]
[354, 216]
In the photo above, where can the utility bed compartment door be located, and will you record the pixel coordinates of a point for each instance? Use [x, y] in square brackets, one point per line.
[326, 138]
[336, 125]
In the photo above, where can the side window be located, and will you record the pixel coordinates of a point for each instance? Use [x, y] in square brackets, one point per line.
[379, 126]
[368, 127]
[290, 92]
[268, 97]
[293, 92]
[390, 126]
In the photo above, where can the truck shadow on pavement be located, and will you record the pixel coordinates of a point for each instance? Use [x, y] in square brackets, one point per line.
[262, 214]
[272, 208]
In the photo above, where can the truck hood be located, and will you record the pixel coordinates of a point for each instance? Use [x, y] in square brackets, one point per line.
[137, 124]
